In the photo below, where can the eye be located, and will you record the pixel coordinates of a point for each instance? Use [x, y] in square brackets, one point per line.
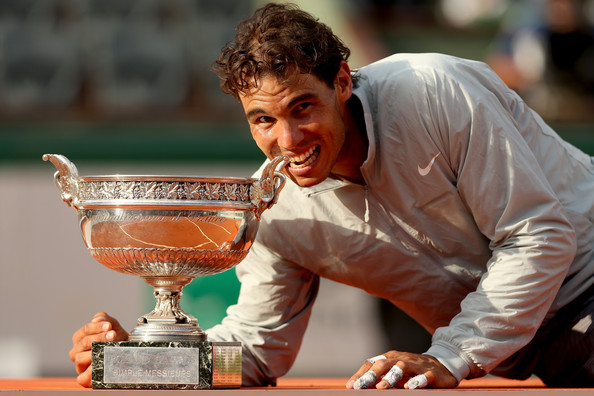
[264, 120]
[301, 107]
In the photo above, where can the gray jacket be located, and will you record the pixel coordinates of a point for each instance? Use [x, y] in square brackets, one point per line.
[475, 219]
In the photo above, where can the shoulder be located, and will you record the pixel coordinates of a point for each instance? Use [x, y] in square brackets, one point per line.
[422, 61]
[429, 81]
[406, 63]
[406, 68]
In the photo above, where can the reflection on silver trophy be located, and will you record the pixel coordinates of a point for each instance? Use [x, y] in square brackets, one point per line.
[168, 230]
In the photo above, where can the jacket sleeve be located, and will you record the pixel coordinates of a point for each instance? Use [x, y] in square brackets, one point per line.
[271, 314]
[491, 140]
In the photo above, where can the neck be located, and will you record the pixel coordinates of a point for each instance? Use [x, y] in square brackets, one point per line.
[354, 149]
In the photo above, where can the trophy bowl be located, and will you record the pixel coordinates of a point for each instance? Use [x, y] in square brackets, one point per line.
[168, 230]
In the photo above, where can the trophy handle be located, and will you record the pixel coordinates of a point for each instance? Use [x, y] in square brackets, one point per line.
[265, 191]
[65, 177]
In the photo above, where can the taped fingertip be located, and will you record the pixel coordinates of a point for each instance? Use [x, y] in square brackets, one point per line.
[419, 381]
[366, 380]
[375, 359]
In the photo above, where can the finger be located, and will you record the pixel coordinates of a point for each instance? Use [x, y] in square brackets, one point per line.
[121, 333]
[375, 359]
[420, 381]
[367, 380]
[101, 322]
[392, 377]
[100, 316]
[86, 343]
[82, 361]
[84, 378]
[379, 360]
[91, 328]
[364, 368]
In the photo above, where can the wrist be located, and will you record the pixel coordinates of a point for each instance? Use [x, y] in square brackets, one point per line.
[456, 365]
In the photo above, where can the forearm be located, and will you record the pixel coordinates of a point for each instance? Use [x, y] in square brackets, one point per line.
[510, 303]
[270, 317]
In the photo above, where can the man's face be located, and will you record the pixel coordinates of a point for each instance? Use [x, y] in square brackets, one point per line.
[302, 119]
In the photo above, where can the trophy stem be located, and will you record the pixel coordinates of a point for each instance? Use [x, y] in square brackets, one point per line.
[167, 322]
[167, 309]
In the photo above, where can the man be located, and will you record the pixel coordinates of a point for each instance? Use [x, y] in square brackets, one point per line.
[421, 179]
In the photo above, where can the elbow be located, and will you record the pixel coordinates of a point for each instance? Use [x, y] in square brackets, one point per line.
[561, 247]
[569, 245]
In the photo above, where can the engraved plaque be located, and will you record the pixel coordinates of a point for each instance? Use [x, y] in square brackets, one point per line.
[226, 364]
[152, 365]
[129, 365]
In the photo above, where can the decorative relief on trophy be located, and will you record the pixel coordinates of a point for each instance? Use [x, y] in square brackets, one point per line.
[168, 230]
[209, 191]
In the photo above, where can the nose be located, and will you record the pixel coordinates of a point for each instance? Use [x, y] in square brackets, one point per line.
[289, 135]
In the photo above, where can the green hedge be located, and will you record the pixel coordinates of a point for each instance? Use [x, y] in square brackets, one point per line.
[199, 142]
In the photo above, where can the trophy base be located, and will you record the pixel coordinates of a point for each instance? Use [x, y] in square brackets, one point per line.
[166, 365]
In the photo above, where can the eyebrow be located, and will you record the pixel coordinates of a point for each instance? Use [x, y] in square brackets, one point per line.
[301, 98]
[254, 112]
[293, 102]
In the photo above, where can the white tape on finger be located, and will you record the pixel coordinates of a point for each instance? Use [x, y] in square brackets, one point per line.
[420, 381]
[393, 376]
[366, 380]
[375, 359]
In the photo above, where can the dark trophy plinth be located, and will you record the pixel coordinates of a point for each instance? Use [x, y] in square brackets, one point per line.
[166, 365]
[167, 230]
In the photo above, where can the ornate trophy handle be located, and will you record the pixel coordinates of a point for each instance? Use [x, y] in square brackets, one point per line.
[265, 191]
[65, 177]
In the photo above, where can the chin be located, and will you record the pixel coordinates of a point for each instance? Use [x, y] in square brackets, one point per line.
[306, 182]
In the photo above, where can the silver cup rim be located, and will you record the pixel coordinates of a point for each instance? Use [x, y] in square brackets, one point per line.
[166, 178]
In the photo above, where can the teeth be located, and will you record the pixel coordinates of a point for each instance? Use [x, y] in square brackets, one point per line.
[306, 158]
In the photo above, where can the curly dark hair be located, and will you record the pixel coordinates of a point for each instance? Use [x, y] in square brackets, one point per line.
[279, 40]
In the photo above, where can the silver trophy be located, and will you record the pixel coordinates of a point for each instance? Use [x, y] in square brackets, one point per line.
[167, 230]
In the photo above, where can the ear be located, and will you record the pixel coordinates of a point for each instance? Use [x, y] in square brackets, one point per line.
[344, 83]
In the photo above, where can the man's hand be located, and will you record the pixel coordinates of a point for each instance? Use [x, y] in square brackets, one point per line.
[101, 328]
[402, 370]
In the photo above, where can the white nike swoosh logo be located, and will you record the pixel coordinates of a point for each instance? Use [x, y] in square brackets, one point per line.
[425, 171]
